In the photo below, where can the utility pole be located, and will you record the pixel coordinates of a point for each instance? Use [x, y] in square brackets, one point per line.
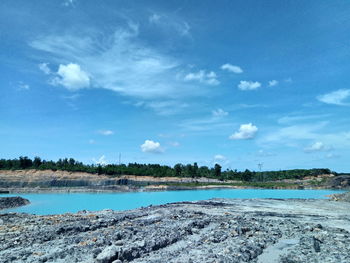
[261, 175]
[120, 157]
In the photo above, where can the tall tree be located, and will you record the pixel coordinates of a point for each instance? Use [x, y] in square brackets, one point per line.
[217, 170]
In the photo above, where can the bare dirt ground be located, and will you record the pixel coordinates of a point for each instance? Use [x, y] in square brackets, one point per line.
[213, 231]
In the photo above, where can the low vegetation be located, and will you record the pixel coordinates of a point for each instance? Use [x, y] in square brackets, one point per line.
[157, 170]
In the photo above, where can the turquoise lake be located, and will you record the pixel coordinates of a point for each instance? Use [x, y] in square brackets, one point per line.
[58, 203]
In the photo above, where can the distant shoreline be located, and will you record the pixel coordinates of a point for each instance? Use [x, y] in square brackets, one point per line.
[150, 189]
[48, 181]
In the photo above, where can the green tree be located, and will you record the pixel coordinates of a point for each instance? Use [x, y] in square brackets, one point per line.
[195, 170]
[247, 175]
[178, 169]
[37, 162]
[217, 170]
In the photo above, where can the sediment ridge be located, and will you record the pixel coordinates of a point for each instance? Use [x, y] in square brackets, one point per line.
[217, 230]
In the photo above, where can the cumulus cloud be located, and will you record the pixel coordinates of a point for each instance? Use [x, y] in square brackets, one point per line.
[219, 113]
[202, 76]
[232, 68]
[72, 77]
[316, 147]
[45, 68]
[273, 83]
[248, 85]
[122, 63]
[336, 97]
[246, 131]
[150, 146]
[106, 132]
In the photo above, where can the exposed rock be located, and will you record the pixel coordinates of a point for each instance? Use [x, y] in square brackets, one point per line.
[341, 197]
[219, 230]
[9, 202]
[108, 255]
[340, 182]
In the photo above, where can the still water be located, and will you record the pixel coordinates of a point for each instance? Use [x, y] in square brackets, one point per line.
[58, 203]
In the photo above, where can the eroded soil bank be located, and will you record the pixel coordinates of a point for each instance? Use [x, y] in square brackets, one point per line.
[41, 181]
[219, 230]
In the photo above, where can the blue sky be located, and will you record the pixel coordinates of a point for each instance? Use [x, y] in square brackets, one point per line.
[233, 82]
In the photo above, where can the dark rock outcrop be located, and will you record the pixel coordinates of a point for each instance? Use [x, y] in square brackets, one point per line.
[340, 182]
[9, 202]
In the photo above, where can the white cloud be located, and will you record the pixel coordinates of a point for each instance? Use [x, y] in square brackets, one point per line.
[106, 132]
[220, 157]
[263, 153]
[69, 2]
[273, 83]
[101, 161]
[72, 77]
[123, 64]
[219, 113]
[336, 97]
[23, 86]
[246, 131]
[209, 78]
[204, 124]
[45, 68]
[299, 118]
[91, 141]
[294, 132]
[154, 18]
[232, 68]
[72, 97]
[166, 107]
[151, 147]
[248, 85]
[297, 135]
[332, 156]
[316, 147]
[174, 144]
[170, 24]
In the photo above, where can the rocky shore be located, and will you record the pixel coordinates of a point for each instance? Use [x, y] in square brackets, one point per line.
[341, 197]
[9, 202]
[218, 230]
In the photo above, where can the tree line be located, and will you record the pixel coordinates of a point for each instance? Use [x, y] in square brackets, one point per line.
[178, 170]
